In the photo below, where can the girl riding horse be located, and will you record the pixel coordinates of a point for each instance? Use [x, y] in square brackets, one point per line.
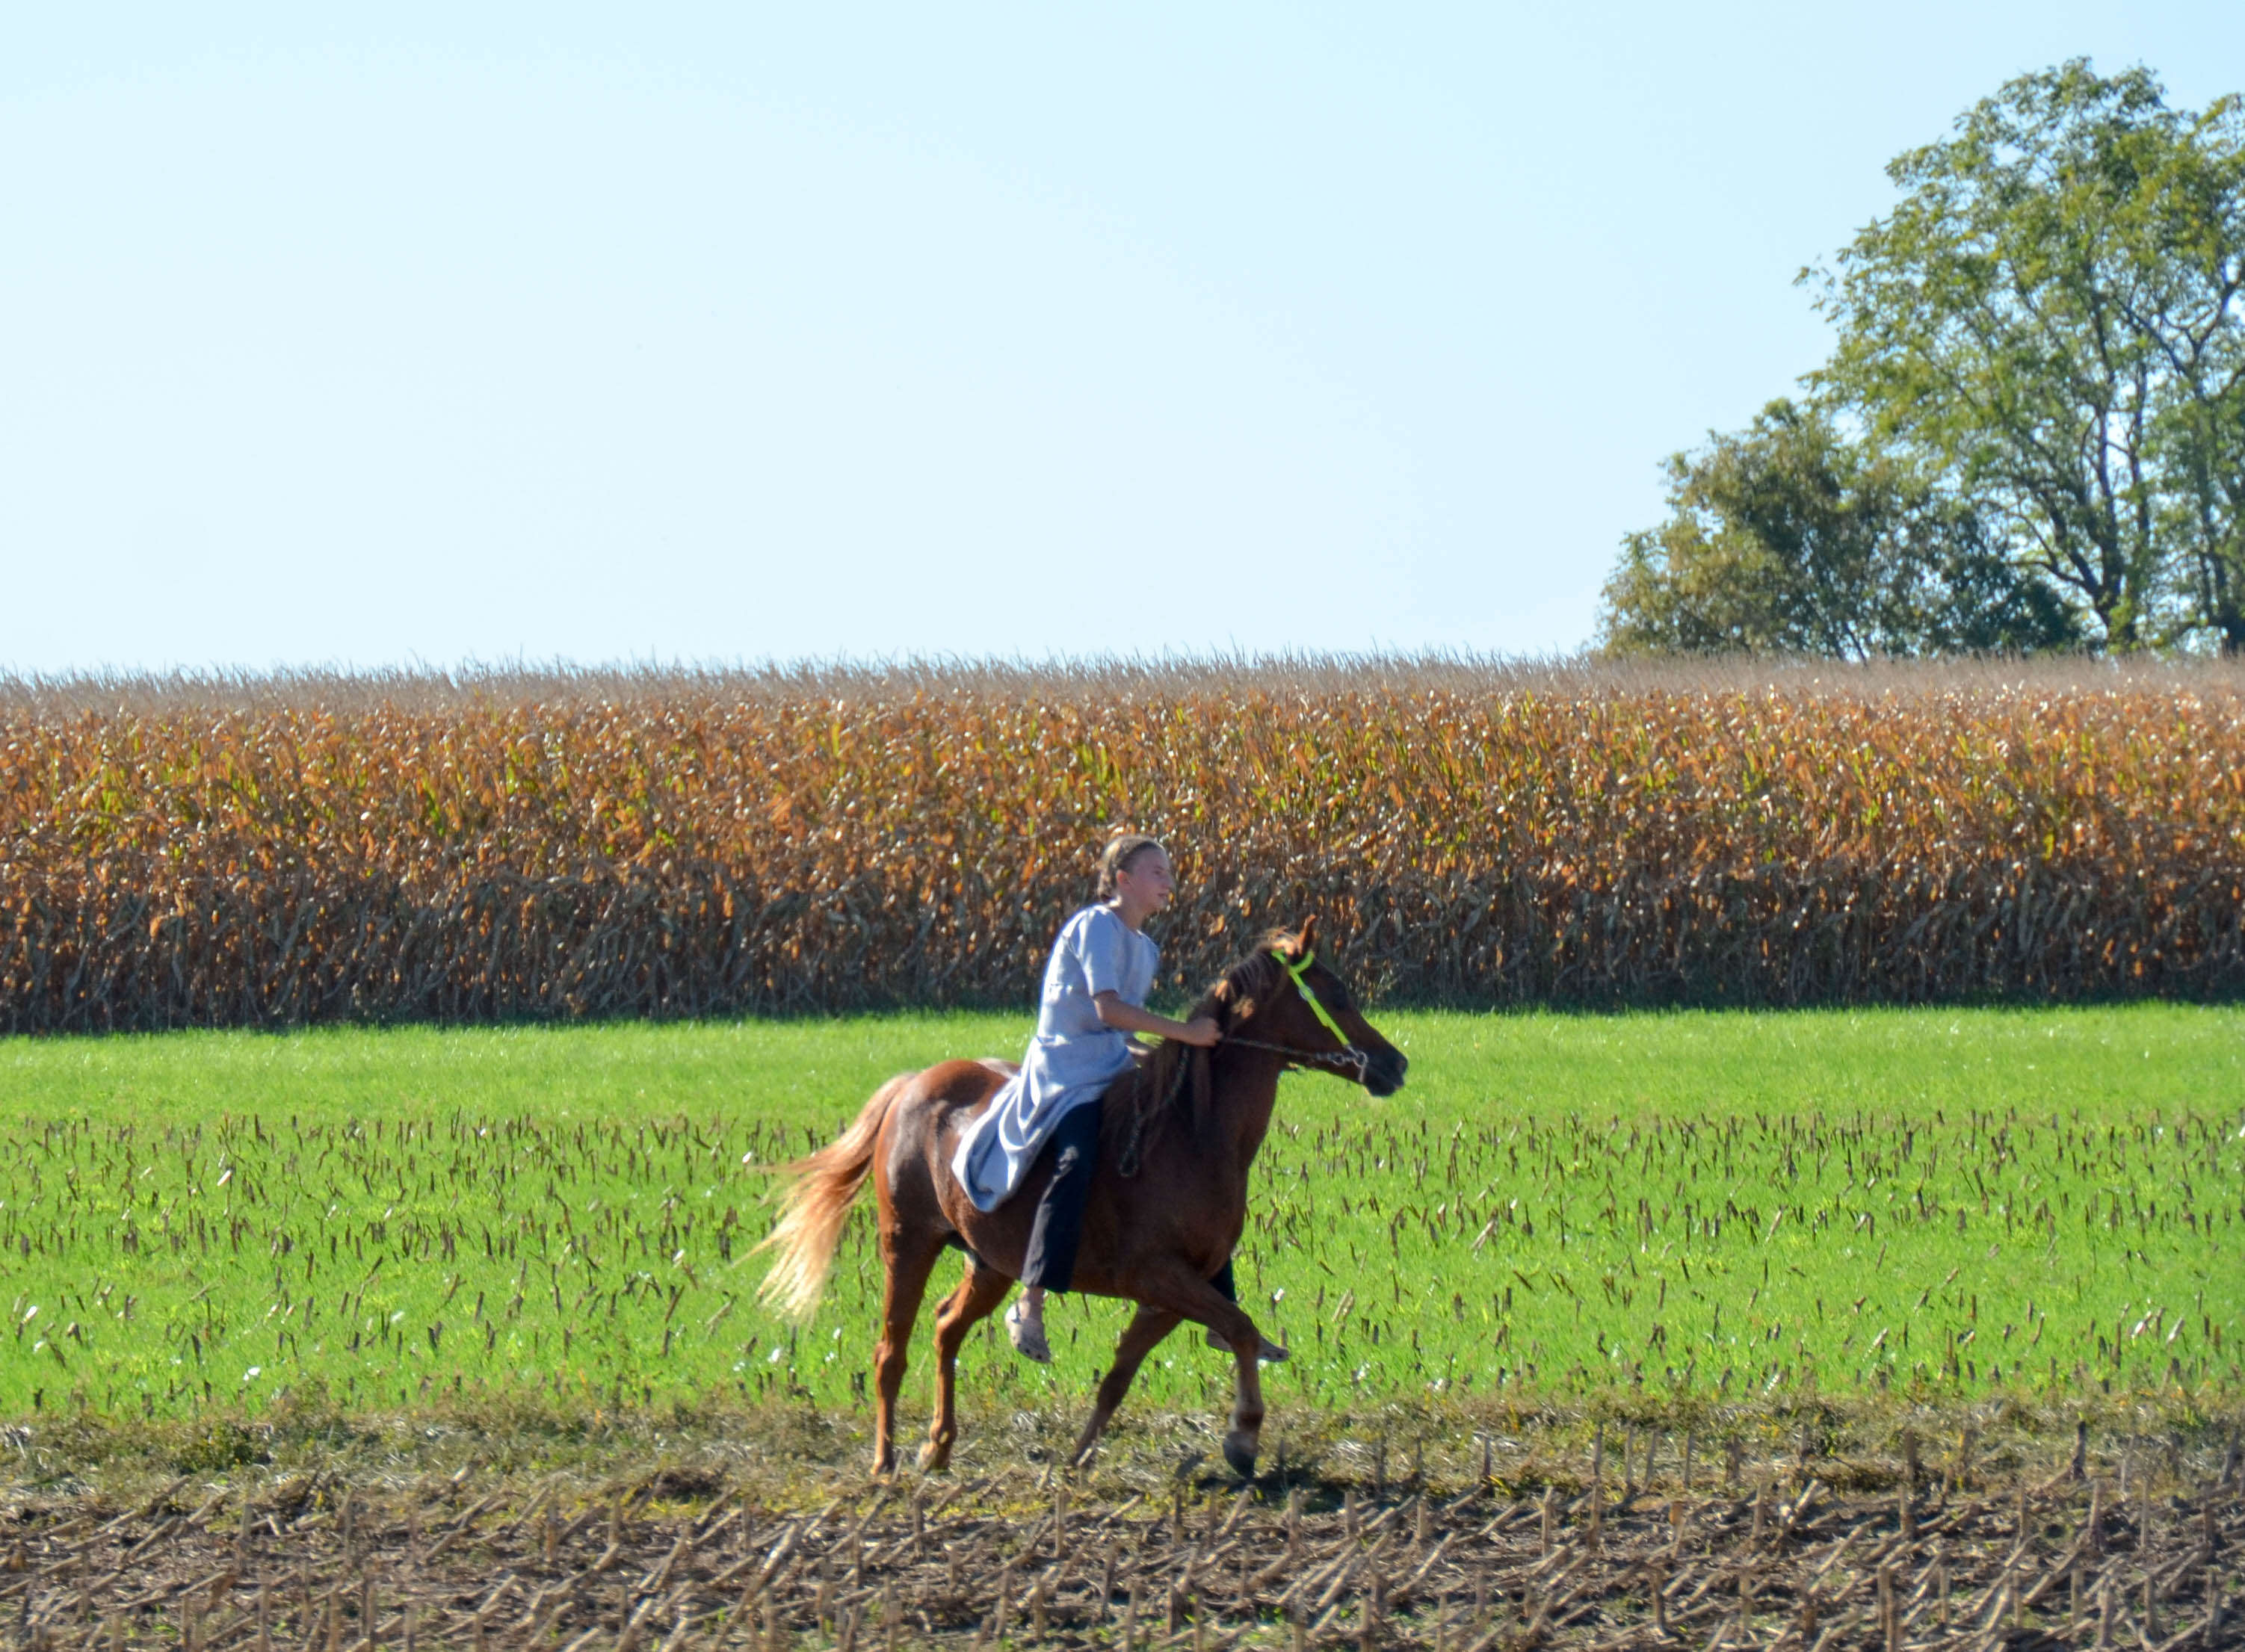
[1097, 979]
[1165, 1206]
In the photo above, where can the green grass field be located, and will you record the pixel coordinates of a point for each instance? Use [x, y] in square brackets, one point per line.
[1726, 1205]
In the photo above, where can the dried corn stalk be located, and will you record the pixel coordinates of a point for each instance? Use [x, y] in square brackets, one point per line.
[684, 845]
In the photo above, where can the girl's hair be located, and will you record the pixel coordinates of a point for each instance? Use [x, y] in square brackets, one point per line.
[1121, 851]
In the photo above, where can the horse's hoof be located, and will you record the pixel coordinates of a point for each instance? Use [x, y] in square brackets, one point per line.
[934, 1459]
[1240, 1451]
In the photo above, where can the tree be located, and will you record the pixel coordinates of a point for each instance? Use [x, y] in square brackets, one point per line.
[1790, 537]
[2053, 318]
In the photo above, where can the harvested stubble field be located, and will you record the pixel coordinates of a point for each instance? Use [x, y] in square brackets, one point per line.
[272, 852]
[2010, 1530]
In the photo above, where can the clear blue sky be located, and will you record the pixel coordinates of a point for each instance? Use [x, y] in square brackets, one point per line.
[427, 332]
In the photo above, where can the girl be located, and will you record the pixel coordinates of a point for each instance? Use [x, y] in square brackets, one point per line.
[1095, 994]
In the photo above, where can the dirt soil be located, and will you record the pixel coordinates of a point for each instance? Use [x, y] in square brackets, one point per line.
[690, 1557]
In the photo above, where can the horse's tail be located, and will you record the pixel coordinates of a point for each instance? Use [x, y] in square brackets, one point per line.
[815, 1205]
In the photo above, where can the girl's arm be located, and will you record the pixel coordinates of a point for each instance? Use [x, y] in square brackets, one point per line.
[1127, 1018]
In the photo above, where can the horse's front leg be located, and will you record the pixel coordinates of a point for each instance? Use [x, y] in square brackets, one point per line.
[1186, 1296]
[1242, 1442]
[978, 1294]
[1139, 1338]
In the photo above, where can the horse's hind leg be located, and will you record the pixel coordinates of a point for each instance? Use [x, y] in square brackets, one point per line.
[978, 1294]
[908, 1259]
[1140, 1336]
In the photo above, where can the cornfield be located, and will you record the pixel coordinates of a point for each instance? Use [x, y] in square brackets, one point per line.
[279, 851]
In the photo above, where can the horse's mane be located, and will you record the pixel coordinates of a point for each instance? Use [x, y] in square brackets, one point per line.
[1140, 1104]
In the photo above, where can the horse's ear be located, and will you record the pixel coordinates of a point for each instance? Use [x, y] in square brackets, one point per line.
[1307, 940]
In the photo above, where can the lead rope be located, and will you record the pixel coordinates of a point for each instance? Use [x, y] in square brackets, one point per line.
[1127, 1165]
[1351, 1059]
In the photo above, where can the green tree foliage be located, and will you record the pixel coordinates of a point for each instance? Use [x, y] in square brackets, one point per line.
[2043, 349]
[1789, 537]
[2052, 314]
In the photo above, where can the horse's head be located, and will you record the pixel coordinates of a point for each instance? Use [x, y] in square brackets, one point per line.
[1301, 1003]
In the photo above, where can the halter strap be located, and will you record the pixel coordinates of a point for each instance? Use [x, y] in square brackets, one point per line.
[1300, 971]
[1348, 1054]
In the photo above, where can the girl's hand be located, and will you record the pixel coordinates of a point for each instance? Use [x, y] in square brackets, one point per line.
[1128, 1018]
[1202, 1033]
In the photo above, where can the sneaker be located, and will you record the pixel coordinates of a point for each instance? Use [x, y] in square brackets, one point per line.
[1269, 1354]
[1028, 1336]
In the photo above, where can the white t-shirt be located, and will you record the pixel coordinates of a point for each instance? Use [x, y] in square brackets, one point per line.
[1072, 1060]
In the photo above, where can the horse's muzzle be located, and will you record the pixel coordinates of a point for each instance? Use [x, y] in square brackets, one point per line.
[1383, 1072]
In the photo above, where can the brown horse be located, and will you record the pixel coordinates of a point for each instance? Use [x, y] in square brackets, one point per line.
[1164, 1210]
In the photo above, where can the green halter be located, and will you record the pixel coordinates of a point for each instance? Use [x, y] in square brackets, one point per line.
[1299, 971]
[1347, 1057]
